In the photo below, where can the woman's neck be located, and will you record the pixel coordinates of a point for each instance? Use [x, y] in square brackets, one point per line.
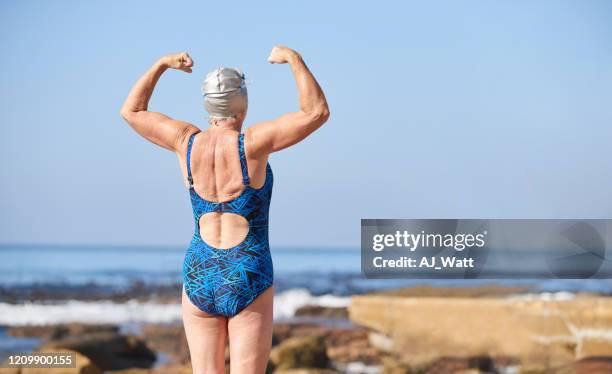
[226, 124]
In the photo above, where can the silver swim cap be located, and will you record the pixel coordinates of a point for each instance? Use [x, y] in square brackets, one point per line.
[225, 93]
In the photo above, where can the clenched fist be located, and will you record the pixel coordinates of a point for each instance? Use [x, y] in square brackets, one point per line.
[281, 55]
[180, 61]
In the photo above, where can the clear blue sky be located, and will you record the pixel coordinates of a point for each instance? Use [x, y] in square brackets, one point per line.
[440, 109]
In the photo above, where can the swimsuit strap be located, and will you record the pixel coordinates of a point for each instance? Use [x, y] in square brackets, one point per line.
[243, 161]
[189, 177]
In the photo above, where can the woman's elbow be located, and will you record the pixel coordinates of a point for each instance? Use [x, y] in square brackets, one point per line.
[124, 113]
[127, 115]
[322, 115]
[326, 114]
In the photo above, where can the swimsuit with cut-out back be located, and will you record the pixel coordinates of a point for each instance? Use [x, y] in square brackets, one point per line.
[225, 281]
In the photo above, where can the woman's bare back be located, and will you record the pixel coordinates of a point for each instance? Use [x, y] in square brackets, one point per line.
[217, 177]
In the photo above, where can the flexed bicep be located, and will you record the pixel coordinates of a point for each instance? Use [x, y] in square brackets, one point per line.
[291, 128]
[154, 126]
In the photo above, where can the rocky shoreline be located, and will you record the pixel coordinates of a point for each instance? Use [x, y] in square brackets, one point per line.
[412, 330]
[136, 290]
[489, 329]
[106, 349]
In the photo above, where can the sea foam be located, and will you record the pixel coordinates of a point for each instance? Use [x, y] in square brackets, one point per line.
[133, 311]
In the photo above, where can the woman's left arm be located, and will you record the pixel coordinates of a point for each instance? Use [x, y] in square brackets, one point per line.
[153, 126]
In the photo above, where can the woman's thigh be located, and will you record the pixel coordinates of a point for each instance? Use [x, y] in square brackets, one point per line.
[206, 336]
[250, 335]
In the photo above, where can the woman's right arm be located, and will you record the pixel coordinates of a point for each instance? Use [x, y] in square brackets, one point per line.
[288, 129]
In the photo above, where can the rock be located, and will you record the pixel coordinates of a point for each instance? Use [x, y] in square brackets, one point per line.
[170, 369]
[547, 332]
[138, 290]
[283, 331]
[307, 371]
[185, 369]
[58, 331]
[342, 344]
[444, 365]
[392, 366]
[380, 341]
[167, 338]
[321, 311]
[300, 352]
[595, 347]
[9, 371]
[345, 346]
[83, 365]
[460, 292]
[594, 365]
[109, 351]
[450, 365]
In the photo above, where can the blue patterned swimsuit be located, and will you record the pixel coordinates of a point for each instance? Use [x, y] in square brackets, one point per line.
[225, 281]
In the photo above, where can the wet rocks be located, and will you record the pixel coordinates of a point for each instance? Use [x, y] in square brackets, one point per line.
[283, 331]
[594, 365]
[350, 345]
[321, 311]
[50, 332]
[300, 346]
[300, 352]
[169, 339]
[137, 290]
[108, 350]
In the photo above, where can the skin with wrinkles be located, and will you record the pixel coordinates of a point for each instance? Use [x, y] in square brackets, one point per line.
[217, 177]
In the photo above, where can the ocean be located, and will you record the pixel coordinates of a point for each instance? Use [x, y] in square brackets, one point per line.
[49, 284]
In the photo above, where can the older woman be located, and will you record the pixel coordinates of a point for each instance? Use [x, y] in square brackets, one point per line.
[227, 270]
